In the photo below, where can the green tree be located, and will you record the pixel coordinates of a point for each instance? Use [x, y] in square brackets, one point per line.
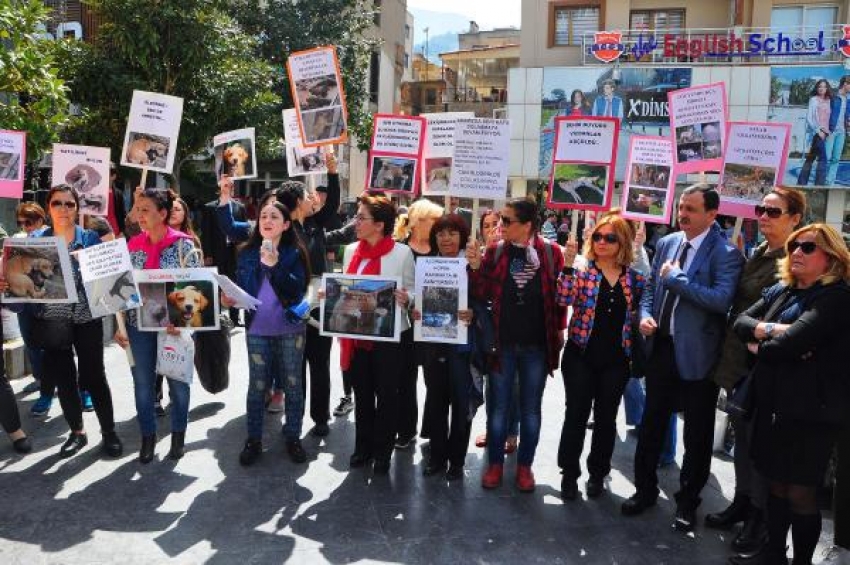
[287, 26]
[32, 97]
[187, 48]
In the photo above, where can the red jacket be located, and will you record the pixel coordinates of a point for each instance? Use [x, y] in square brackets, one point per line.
[488, 281]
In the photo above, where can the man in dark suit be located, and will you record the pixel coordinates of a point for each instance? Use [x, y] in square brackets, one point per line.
[220, 250]
[683, 315]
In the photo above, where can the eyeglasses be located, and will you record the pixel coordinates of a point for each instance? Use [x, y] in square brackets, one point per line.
[69, 204]
[807, 247]
[508, 221]
[26, 223]
[608, 237]
[770, 211]
[360, 219]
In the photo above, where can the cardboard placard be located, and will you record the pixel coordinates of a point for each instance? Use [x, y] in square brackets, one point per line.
[319, 96]
[108, 278]
[153, 127]
[236, 154]
[86, 170]
[13, 158]
[698, 127]
[396, 153]
[649, 190]
[439, 150]
[481, 159]
[300, 160]
[38, 270]
[186, 298]
[360, 307]
[441, 285]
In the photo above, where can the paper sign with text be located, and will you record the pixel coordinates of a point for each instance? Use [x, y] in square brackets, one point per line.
[441, 290]
[300, 160]
[319, 96]
[235, 154]
[439, 149]
[698, 127]
[152, 131]
[108, 278]
[396, 153]
[481, 158]
[648, 192]
[13, 157]
[86, 170]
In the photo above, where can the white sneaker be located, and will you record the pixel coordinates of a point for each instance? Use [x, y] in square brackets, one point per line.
[346, 405]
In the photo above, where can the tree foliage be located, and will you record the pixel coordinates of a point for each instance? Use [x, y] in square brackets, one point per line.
[32, 97]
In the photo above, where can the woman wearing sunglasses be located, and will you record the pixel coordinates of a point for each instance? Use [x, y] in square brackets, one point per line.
[798, 334]
[605, 297]
[779, 214]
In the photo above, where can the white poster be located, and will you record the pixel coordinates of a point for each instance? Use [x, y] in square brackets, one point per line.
[86, 170]
[441, 285]
[481, 159]
[184, 298]
[38, 270]
[360, 307]
[236, 154]
[318, 95]
[396, 153]
[300, 160]
[439, 149]
[650, 184]
[108, 278]
[698, 127]
[152, 130]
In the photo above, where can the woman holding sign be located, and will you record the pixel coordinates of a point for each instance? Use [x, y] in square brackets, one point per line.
[605, 297]
[519, 276]
[159, 246]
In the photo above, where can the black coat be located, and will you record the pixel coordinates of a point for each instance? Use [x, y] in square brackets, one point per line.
[213, 237]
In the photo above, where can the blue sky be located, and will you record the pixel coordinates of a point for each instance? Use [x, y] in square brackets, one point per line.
[487, 13]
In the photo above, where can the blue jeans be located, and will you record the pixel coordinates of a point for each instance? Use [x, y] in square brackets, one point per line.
[834, 149]
[143, 345]
[513, 412]
[634, 400]
[275, 359]
[530, 364]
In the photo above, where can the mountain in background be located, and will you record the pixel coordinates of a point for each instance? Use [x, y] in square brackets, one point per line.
[443, 28]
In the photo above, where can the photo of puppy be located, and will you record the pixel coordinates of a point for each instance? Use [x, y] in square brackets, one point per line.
[319, 92]
[149, 150]
[9, 165]
[186, 306]
[438, 174]
[323, 124]
[154, 312]
[83, 178]
[112, 294]
[236, 161]
[234, 154]
[27, 275]
[393, 173]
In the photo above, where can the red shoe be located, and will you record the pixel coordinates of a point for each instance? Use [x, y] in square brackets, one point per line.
[524, 478]
[481, 441]
[493, 477]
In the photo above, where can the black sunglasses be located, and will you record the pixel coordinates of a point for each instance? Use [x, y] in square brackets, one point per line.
[608, 237]
[807, 247]
[69, 204]
[770, 211]
[508, 221]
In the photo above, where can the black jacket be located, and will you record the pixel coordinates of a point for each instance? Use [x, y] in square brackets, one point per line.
[312, 232]
[213, 237]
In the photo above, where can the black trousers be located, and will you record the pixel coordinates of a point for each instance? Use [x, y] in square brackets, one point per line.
[666, 393]
[841, 494]
[449, 379]
[408, 404]
[59, 365]
[10, 418]
[597, 385]
[374, 374]
[317, 353]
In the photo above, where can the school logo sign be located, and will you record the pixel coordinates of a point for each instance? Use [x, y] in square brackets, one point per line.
[844, 42]
[607, 45]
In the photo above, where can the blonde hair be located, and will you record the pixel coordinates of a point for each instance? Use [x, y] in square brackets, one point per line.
[624, 231]
[830, 242]
[422, 208]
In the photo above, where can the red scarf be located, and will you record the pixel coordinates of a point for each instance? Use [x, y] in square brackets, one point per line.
[363, 252]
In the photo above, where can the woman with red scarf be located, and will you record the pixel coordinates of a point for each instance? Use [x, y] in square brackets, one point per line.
[374, 365]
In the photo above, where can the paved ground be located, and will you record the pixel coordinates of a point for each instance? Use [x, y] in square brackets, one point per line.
[207, 508]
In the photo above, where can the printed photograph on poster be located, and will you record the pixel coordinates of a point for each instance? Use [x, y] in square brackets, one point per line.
[186, 298]
[153, 127]
[585, 158]
[481, 159]
[650, 185]
[639, 93]
[13, 157]
[108, 278]
[360, 307]
[300, 160]
[318, 95]
[754, 160]
[794, 96]
[439, 148]
[442, 284]
[86, 170]
[397, 146]
[698, 118]
[38, 270]
[392, 174]
[438, 176]
[235, 154]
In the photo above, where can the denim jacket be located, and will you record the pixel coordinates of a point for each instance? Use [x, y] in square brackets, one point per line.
[288, 277]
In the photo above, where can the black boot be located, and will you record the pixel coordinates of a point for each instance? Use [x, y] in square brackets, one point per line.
[736, 512]
[147, 449]
[762, 557]
[805, 533]
[177, 441]
[753, 535]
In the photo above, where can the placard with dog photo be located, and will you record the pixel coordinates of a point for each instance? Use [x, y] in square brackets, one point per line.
[649, 186]
[318, 95]
[583, 163]
[438, 151]
[13, 157]
[86, 170]
[698, 127]
[38, 270]
[441, 284]
[184, 298]
[108, 278]
[360, 307]
[153, 127]
[300, 160]
[396, 152]
[235, 154]
[481, 158]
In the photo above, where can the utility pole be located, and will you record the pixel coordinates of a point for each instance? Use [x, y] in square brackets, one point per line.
[427, 64]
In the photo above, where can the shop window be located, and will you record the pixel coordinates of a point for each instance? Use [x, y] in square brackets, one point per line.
[569, 23]
[795, 18]
[657, 20]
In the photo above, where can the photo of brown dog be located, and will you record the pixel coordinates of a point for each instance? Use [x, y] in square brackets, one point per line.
[148, 150]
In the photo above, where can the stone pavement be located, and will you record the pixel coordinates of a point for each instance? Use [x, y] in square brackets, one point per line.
[208, 509]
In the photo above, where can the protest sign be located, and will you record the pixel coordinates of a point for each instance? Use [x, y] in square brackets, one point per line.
[755, 158]
[360, 307]
[441, 288]
[236, 154]
[438, 151]
[319, 97]
[698, 127]
[13, 157]
[300, 160]
[38, 270]
[185, 298]
[86, 170]
[152, 129]
[481, 159]
[583, 164]
[108, 278]
[648, 192]
[396, 153]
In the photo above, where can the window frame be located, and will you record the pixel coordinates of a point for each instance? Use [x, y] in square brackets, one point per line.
[805, 8]
[651, 12]
[557, 5]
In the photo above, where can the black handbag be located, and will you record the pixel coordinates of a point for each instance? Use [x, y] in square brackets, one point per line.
[212, 356]
[741, 401]
[51, 334]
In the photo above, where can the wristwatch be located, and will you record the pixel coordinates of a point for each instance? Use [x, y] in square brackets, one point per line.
[768, 329]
